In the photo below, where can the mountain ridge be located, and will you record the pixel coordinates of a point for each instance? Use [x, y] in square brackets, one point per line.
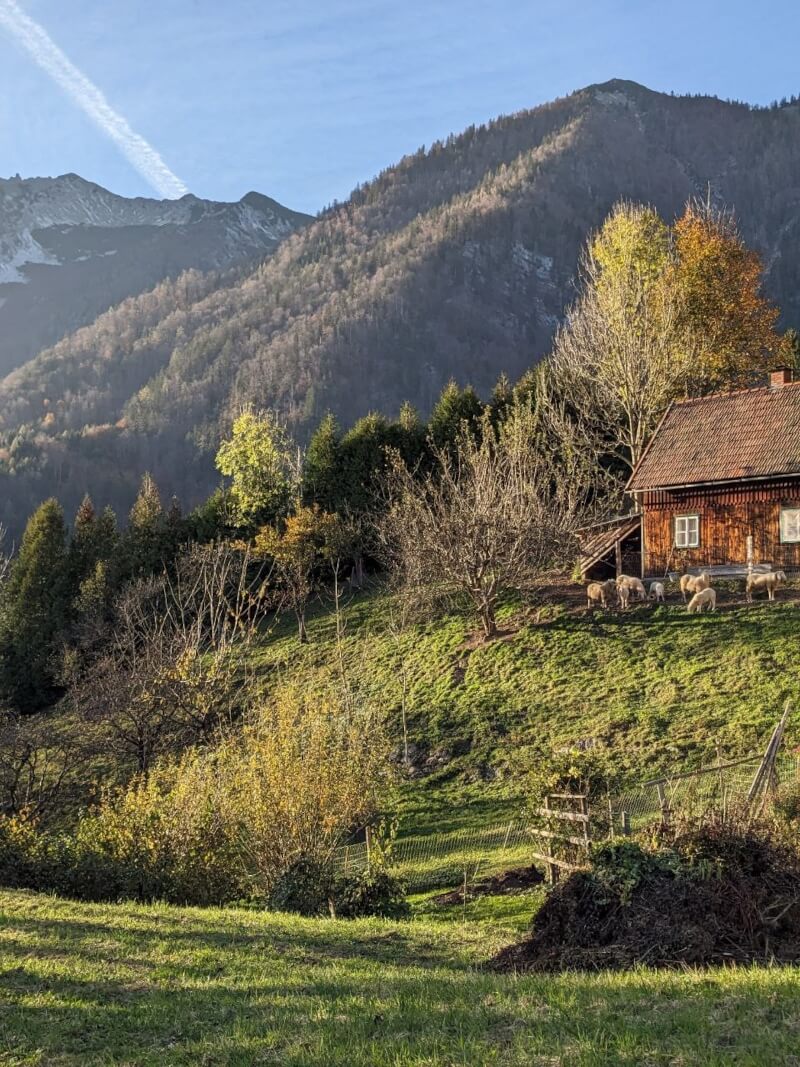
[458, 261]
[70, 248]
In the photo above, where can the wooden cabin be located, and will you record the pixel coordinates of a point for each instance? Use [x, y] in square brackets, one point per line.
[720, 481]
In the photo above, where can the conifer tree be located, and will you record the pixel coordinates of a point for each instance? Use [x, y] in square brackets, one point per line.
[321, 470]
[454, 408]
[34, 610]
[145, 542]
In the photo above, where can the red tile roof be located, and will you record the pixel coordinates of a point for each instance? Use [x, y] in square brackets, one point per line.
[754, 433]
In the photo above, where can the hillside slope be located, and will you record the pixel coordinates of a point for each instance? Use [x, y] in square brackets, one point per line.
[70, 249]
[653, 686]
[457, 262]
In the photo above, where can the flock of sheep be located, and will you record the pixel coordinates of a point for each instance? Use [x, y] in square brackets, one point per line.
[624, 590]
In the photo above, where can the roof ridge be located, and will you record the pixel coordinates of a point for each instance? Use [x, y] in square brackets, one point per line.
[768, 389]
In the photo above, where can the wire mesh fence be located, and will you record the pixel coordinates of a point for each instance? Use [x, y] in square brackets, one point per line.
[693, 792]
[446, 859]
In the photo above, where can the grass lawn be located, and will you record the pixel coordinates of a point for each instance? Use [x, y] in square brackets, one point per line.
[123, 984]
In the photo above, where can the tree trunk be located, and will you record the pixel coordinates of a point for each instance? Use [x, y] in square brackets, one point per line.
[301, 627]
[357, 577]
[488, 621]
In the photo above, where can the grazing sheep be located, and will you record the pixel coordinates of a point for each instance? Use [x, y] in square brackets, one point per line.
[758, 582]
[705, 600]
[657, 591]
[600, 593]
[633, 585]
[691, 583]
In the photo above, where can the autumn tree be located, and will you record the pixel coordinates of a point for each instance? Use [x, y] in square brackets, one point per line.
[617, 359]
[296, 552]
[726, 323]
[261, 463]
[662, 314]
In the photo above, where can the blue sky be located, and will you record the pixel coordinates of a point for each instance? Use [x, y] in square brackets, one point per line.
[302, 99]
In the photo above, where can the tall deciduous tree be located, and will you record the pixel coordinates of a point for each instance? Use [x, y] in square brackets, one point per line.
[488, 519]
[260, 461]
[662, 315]
[728, 325]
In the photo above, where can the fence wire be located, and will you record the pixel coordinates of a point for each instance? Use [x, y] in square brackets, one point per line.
[440, 860]
[693, 793]
[446, 859]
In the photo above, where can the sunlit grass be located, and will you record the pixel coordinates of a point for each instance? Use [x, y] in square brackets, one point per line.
[117, 984]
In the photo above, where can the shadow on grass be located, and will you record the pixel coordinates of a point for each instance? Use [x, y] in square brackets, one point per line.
[210, 994]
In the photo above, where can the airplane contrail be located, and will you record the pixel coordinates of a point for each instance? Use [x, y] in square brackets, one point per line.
[46, 53]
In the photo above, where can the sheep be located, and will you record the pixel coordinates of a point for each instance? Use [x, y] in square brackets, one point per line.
[623, 595]
[657, 591]
[691, 583]
[600, 593]
[705, 600]
[633, 585]
[769, 581]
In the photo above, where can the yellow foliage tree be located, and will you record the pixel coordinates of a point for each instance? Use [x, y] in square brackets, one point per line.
[724, 319]
[296, 552]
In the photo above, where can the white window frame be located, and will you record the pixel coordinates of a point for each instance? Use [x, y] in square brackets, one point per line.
[790, 525]
[687, 530]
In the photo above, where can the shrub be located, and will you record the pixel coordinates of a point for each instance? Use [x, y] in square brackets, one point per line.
[305, 888]
[241, 821]
[373, 891]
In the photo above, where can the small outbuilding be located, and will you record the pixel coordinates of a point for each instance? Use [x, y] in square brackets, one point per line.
[719, 482]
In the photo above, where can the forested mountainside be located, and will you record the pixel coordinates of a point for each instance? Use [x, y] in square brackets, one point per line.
[458, 261]
[70, 249]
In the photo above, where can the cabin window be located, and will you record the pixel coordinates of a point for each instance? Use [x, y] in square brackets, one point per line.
[687, 531]
[790, 525]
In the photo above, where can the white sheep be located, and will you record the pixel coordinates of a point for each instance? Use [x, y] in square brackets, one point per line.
[634, 586]
[691, 583]
[623, 595]
[600, 593]
[769, 581]
[705, 600]
[657, 592]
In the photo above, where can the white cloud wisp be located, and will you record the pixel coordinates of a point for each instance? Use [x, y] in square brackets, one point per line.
[46, 53]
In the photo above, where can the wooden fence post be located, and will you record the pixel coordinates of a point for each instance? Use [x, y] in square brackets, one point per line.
[552, 870]
[662, 801]
[626, 824]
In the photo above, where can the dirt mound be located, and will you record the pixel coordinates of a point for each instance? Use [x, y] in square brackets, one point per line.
[516, 880]
[714, 897]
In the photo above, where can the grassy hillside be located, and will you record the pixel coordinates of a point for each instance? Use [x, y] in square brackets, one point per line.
[122, 984]
[654, 685]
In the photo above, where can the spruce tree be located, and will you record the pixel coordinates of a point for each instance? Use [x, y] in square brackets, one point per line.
[454, 408]
[321, 470]
[34, 611]
[145, 542]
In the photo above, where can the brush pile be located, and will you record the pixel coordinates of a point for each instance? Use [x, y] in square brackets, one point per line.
[717, 894]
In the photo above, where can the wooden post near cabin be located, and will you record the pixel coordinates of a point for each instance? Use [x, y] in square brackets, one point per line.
[618, 556]
[749, 543]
